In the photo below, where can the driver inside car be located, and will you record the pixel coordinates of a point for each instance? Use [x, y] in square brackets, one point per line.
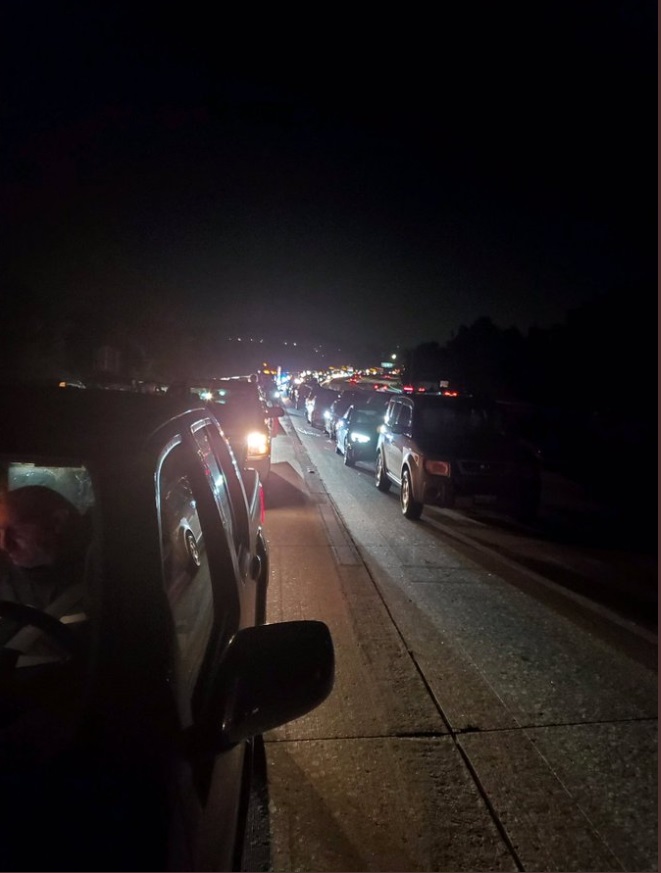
[43, 543]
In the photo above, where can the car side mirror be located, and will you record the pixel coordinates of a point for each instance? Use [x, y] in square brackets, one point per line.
[275, 411]
[269, 675]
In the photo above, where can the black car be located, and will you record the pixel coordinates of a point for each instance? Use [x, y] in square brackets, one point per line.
[357, 434]
[318, 404]
[338, 408]
[440, 450]
[127, 722]
[301, 392]
[364, 398]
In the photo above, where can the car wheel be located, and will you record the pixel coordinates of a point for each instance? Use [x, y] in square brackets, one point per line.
[349, 459]
[192, 551]
[382, 481]
[410, 507]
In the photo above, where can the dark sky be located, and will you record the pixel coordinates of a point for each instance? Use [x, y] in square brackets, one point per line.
[392, 175]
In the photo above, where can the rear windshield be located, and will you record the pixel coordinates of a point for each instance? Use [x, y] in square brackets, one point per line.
[229, 393]
[366, 417]
[457, 419]
[325, 395]
[71, 481]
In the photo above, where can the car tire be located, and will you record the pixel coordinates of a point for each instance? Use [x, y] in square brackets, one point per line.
[411, 508]
[192, 552]
[381, 479]
[349, 460]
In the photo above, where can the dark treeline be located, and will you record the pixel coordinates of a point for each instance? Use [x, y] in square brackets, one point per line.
[584, 392]
[603, 357]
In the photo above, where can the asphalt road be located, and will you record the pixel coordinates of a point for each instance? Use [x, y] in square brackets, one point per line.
[474, 725]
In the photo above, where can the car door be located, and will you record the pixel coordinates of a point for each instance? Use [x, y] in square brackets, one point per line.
[388, 435]
[342, 431]
[398, 434]
[205, 605]
[229, 492]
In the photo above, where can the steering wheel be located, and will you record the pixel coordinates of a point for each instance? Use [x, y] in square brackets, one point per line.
[23, 616]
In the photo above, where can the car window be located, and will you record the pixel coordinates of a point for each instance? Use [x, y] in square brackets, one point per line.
[186, 574]
[46, 527]
[73, 482]
[391, 413]
[364, 417]
[404, 417]
[456, 419]
[228, 489]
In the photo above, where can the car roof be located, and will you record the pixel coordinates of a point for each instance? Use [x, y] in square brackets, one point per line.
[59, 421]
[462, 401]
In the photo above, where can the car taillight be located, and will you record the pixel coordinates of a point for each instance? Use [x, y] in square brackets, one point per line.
[438, 468]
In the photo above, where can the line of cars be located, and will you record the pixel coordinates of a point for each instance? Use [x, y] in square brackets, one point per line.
[128, 724]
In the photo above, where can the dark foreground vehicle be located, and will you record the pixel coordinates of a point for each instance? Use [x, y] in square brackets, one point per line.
[127, 714]
[440, 450]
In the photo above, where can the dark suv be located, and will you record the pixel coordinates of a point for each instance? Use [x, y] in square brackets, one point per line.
[441, 449]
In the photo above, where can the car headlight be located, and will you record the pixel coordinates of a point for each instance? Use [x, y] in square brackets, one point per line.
[327, 414]
[358, 437]
[438, 468]
[258, 444]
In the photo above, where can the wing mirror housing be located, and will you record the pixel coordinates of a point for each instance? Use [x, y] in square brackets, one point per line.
[270, 674]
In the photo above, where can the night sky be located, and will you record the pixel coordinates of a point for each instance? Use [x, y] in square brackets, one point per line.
[390, 175]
